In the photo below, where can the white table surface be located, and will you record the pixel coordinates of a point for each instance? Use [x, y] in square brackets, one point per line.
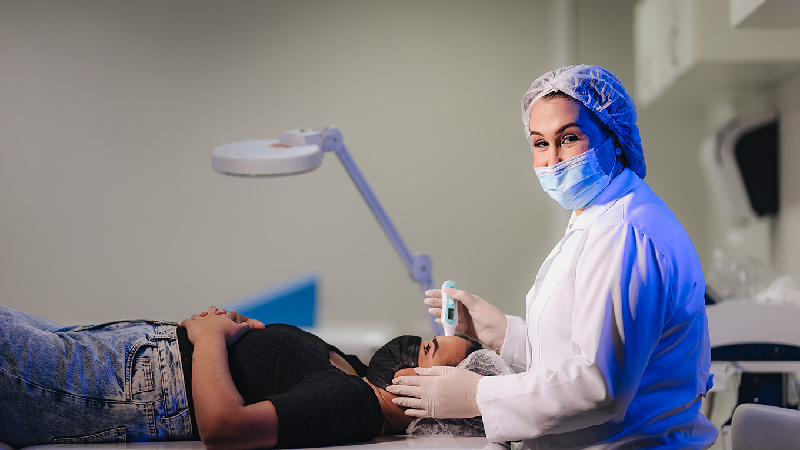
[380, 443]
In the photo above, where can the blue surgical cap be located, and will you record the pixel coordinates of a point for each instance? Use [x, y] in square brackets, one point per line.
[599, 90]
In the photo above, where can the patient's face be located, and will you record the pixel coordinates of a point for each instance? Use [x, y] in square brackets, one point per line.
[443, 351]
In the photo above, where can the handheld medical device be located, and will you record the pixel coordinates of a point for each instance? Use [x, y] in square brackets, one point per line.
[449, 310]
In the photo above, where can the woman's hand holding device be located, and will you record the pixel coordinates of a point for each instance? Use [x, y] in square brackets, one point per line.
[477, 318]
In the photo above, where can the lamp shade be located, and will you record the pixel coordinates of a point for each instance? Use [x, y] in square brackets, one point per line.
[265, 157]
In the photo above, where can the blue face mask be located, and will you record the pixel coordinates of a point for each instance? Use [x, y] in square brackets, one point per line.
[577, 181]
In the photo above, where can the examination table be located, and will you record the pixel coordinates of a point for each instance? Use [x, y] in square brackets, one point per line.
[401, 442]
[282, 301]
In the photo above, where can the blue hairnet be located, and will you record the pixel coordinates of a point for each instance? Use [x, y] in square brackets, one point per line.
[599, 90]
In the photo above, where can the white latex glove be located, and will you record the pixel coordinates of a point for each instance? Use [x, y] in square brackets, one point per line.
[477, 318]
[442, 392]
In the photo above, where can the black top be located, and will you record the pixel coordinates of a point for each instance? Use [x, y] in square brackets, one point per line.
[317, 404]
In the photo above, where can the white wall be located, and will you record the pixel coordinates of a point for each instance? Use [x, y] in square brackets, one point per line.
[786, 243]
[110, 110]
[670, 136]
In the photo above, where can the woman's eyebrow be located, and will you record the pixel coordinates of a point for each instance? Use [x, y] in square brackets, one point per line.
[435, 347]
[561, 129]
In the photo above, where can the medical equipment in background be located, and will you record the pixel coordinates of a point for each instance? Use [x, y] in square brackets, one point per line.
[736, 275]
[741, 164]
[301, 150]
[449, 310]
[755, 356]
[758, 427]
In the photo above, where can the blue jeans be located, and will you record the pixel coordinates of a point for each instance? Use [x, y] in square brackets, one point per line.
[114, 382]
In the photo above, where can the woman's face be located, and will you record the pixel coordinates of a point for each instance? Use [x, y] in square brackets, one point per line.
[442, 351]
[562, 128]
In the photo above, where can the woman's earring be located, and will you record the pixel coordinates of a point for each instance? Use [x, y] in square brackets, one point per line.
[618, 151]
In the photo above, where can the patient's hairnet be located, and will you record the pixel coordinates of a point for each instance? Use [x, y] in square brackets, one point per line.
[599, 90]
[483, 362]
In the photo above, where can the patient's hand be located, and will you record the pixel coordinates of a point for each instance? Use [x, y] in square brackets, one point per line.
[407, 372]
[236, 317]
[216, 323]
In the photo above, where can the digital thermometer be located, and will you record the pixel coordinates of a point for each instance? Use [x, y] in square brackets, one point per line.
[449, 310]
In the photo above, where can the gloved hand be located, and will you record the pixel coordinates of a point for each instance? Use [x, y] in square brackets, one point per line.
[477, 318]
[442, 392]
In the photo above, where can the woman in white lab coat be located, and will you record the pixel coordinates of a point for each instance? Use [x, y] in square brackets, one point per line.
[614, 349]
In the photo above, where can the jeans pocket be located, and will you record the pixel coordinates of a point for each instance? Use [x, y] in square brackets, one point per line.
[141, 376]
[109, 436]
[179, 425]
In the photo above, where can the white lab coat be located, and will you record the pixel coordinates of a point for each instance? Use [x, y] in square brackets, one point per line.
[614, 350]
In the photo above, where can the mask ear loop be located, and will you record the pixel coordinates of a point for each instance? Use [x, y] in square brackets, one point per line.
[617, 153]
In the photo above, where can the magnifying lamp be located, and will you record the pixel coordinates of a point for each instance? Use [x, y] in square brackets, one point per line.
[299, 151]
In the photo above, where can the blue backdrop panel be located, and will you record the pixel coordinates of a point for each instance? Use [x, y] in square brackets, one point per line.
[293, 302]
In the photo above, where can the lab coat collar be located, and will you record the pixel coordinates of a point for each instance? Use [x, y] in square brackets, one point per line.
[626, 181]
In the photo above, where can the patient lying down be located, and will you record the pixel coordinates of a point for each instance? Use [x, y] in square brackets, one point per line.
[218, 376]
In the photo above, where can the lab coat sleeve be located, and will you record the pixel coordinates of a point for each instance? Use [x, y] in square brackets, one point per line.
[514, 350]
[620, 303]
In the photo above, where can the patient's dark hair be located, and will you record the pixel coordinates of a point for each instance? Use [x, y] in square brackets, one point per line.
[474, 346]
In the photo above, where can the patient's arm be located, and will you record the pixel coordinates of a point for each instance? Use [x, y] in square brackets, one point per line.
[223, 420]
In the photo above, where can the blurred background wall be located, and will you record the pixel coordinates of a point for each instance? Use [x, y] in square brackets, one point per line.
[109, 112]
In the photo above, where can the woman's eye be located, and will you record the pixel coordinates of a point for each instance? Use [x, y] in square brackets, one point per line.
[569, 138]
[540, 144]
[426, 348]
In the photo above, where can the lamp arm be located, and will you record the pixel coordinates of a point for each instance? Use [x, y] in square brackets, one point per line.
[418, 265]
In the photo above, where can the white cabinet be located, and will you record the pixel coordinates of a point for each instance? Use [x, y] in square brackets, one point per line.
[687, 53]
[765, 13]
